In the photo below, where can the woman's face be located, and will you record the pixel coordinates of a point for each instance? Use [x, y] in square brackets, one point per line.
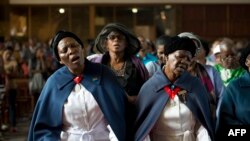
[160, 53]
[40, 53]
[116, 42]
[248, 62]
[71, 54]
[229, 58]
[201, 56]
[143, 42]
[178, 61]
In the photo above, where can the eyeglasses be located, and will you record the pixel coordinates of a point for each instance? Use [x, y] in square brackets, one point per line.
[112, 37]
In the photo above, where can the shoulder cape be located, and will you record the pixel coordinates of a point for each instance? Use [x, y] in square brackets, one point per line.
[47, 122]
[152, 99]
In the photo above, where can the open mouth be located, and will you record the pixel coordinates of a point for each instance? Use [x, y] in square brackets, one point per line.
[75, 59]
[116, 44]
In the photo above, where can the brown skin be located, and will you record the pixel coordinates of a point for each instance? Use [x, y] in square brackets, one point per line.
[40, 56]
[192, 66]
[144, 47]
[229, 58]
[176, 63]
[116, 44]
[217, 58]
[143, 43]
[12, 71]
[160, 54]
[248, 62]
[201, 56]
[7, 55]
[71, 54]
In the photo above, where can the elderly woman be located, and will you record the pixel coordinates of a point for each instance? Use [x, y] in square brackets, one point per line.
[229, 67]
[234, 107]
[209, 77]
[79, 100]
[119, 47]
[173, 105]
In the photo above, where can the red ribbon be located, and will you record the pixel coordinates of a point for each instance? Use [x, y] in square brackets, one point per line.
[78, 79]
[171, 92]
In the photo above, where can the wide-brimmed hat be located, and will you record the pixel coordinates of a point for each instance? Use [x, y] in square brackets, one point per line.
[133, 44]
[59, 36]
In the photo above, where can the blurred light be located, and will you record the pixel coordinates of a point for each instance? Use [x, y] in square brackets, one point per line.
[61, 10]
[134, 10]
[168, 7]
[163, 15]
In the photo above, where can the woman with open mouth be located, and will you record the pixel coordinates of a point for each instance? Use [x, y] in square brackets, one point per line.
[79, 100]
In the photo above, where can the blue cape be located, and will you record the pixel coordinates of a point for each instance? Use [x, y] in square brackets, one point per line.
[152, 99]
[47, 121]
[234, 106]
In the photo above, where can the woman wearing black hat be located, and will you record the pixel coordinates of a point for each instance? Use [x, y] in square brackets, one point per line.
[79, 100]
[119, 47]
[173, 105]
[208, 75]
[234, 107]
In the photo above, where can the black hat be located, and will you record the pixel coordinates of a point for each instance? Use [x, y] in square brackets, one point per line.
[133, 43]
[180, 43]
[244, 53]
[59, 36]
[191, 36]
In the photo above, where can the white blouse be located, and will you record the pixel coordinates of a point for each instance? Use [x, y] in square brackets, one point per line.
[83, 119]
[177, 123]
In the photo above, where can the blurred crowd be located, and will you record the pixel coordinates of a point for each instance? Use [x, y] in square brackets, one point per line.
[35, 61]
